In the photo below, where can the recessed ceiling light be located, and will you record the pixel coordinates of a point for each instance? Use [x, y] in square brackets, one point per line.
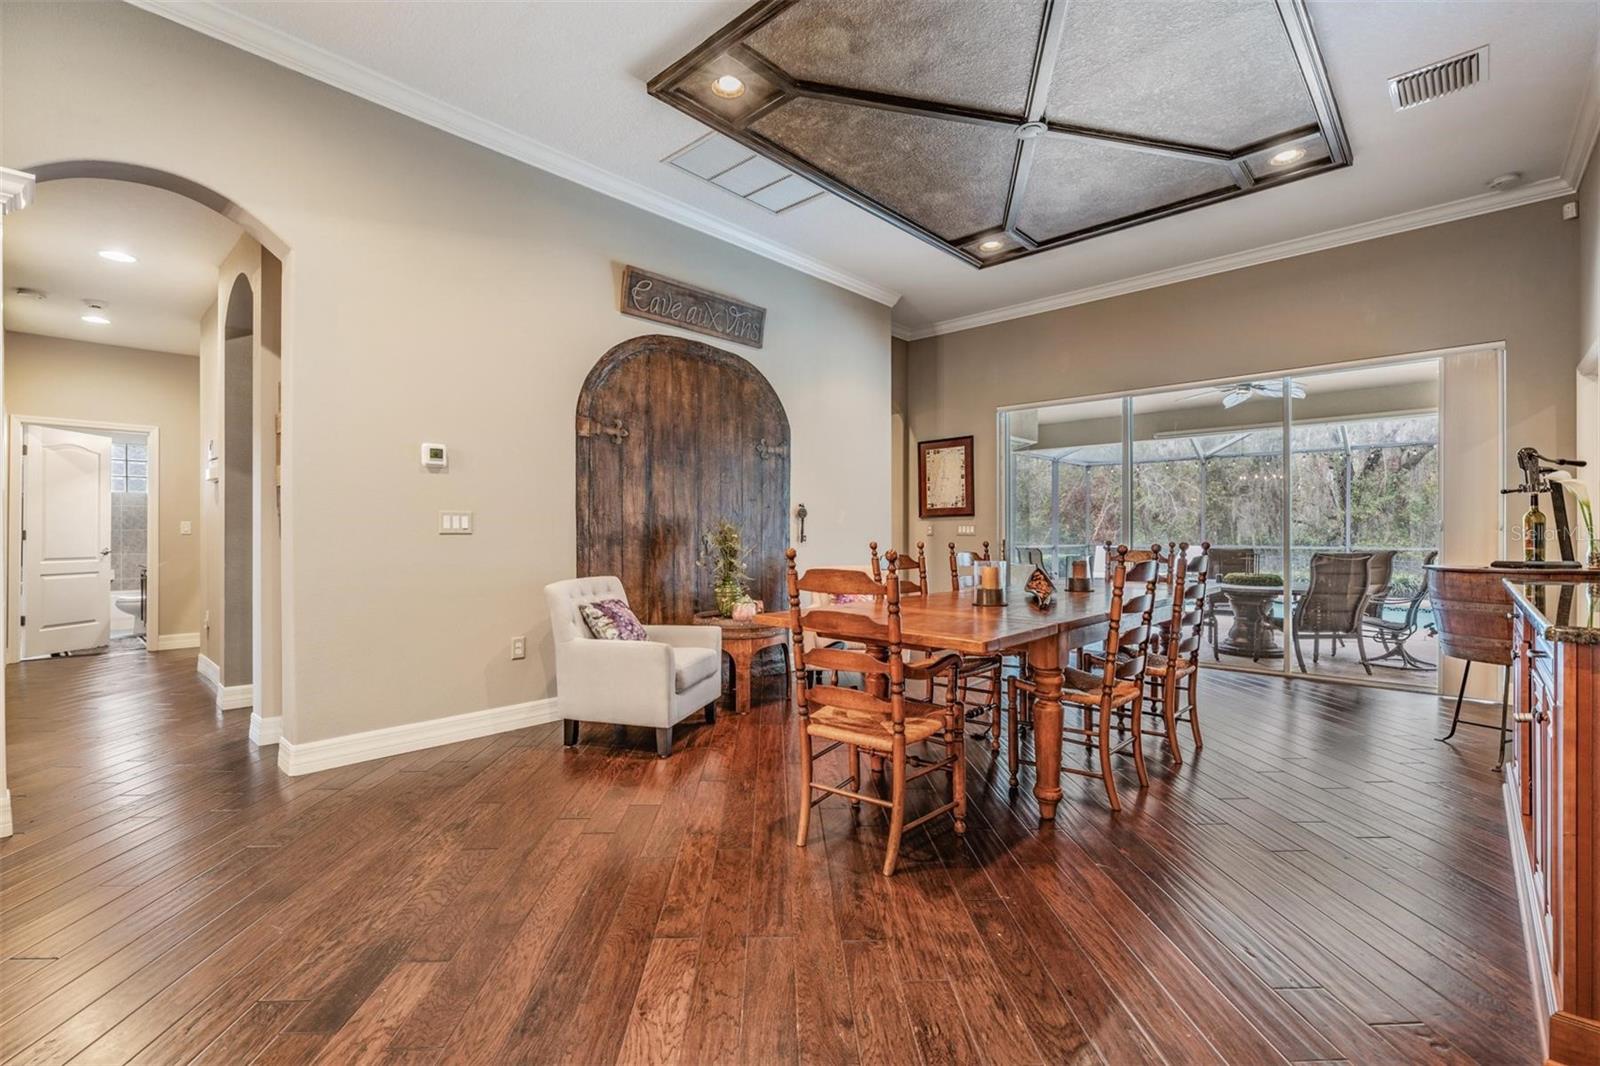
[95, 313]
[116, 256]
[728, 87]
[1287, 156]
[993, 244]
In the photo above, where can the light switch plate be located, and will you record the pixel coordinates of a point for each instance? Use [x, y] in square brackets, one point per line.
[455, 523]
[186, 528]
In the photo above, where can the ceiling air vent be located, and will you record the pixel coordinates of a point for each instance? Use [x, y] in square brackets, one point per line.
[1439, 79]
[732, 167]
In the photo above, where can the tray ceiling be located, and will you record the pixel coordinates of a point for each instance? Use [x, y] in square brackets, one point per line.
[995, 129]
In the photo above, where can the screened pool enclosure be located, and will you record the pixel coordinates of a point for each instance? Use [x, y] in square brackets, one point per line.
[1343, 462]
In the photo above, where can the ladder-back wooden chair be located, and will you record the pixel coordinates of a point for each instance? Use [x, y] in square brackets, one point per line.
[880, 718]
[912, 571]
[964, 566]
[1176, 670]
[980, 674]
[1117, 682]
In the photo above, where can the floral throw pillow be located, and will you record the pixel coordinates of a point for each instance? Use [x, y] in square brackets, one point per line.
[611, 620]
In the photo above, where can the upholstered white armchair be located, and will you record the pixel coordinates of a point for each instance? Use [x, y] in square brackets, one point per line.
[655, 683]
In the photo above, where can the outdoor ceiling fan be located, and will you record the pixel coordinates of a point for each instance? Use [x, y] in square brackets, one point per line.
[1234, 395]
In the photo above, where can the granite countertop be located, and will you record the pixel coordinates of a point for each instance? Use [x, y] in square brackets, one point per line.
[1564, 611]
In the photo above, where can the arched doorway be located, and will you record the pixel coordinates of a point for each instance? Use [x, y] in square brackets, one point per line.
[253, 442]
[672, 437]
[238, 526]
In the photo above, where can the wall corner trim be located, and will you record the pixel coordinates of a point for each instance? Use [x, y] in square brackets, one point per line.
[176, 642]
[286, 50]
[265, 731]
[5, 812]
[312, 756]
[235, 697]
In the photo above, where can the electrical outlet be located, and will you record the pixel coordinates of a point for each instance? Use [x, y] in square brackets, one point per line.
[186, 528]
[519, 647]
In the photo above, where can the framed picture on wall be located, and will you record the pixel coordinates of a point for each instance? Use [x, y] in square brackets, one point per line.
[944, 478]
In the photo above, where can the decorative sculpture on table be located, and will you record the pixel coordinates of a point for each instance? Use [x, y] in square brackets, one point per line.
[1041, 590]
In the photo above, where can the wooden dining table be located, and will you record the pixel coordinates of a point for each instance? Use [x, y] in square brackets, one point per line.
[951, 621]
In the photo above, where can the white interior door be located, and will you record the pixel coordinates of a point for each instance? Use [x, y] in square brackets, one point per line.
[66, 546]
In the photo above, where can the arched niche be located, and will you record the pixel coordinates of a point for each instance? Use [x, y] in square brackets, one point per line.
[673, 436]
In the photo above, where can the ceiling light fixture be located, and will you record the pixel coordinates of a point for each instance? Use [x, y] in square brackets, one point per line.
[96, 313]
[1287, 156]
[117, 256]
[993, 244]
[728, 87]
[1506, 181]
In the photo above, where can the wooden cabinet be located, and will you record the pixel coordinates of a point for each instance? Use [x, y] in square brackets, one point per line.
[1552, 789]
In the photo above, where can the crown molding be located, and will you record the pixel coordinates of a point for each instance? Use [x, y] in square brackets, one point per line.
[16, 190]
[247, 34]
[1482, 204]
[1587, 128]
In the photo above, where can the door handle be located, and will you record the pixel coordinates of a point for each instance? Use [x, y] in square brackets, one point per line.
[105, 551]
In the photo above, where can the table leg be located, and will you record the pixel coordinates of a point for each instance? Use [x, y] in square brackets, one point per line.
[741, 681]
[1044, 659]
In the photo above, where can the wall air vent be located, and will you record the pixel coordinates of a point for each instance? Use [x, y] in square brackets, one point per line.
[1439, 79]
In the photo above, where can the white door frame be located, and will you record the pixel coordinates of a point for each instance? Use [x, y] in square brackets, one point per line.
[14, 524]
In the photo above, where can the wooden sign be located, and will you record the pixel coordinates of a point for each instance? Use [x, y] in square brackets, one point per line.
[647, 295]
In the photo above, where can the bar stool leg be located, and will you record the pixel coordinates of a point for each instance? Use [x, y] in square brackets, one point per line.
[1505, 710]
[1455, 721]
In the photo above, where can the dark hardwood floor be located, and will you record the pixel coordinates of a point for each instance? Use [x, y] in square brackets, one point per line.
[1324, 882]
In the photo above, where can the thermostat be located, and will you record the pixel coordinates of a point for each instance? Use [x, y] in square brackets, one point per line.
[435, 457]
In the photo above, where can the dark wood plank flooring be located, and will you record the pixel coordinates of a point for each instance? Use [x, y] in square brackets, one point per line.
[1324, 882]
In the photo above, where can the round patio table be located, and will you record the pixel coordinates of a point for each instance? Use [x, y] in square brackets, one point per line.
[1254, 633]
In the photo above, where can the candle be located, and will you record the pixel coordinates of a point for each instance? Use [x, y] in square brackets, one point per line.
[1080, 568]
[989, 577]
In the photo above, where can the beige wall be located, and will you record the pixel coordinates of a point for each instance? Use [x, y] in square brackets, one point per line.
[1587, 378]
[432, 291]
[53, 378]
[1511, 276]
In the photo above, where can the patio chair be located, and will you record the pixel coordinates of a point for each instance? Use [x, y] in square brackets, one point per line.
[1224, 561]
[1392, 634]
[1333, 604]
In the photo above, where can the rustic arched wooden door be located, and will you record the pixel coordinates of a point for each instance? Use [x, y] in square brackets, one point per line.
[673, 436]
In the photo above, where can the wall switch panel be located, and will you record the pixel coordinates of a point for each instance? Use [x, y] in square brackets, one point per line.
[185, 528]
[455, 523]
[966, 531]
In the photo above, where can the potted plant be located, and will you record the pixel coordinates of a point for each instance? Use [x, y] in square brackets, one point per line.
[1253, 579]
[722, 550]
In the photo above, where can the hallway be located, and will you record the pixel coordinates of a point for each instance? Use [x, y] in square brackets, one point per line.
[1324, 882]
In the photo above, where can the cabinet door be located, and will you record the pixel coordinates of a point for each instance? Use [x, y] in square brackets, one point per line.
[1543, 786]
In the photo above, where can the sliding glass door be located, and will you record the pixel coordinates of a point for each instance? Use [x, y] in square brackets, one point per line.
[1318, 493]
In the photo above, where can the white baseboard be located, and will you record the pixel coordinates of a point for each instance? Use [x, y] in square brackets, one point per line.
[5, 812]
[264, 731]
[229, 697]
[173, 641]
[308, 758]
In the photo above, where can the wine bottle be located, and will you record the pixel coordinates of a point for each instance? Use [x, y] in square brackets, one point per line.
[1533, 532]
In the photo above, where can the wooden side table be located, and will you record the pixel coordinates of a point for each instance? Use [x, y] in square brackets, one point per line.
[741, 643]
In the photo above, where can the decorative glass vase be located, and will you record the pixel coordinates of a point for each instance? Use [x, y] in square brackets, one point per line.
[1593, 562]
[728, 596]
